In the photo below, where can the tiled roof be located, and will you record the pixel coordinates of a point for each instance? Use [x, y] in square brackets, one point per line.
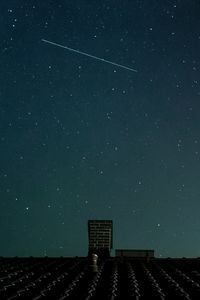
[72, 278]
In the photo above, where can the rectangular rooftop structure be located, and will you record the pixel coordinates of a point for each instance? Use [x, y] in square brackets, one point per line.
[134, 253]
[100, 234]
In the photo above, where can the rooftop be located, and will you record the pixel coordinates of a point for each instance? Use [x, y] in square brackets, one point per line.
[116, 278]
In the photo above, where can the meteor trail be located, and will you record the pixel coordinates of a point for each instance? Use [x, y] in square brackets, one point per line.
[89, 55]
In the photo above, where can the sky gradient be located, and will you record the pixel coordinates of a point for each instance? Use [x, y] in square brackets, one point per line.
[82, 139]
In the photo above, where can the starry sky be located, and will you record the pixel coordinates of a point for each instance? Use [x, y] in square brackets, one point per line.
[82, 139]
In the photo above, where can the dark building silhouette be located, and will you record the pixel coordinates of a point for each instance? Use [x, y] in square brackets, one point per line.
[135, 253]
[64, 278]
[100, 234]
[131, 274]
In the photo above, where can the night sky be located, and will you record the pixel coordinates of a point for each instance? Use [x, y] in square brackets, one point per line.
[82, 139]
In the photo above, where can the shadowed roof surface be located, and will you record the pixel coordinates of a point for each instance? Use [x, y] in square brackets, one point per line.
[71, 278]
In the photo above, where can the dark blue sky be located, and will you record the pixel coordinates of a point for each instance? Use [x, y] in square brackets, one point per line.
[82, 139]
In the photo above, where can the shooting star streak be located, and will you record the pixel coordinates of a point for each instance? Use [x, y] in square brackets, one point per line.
[89, 55]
